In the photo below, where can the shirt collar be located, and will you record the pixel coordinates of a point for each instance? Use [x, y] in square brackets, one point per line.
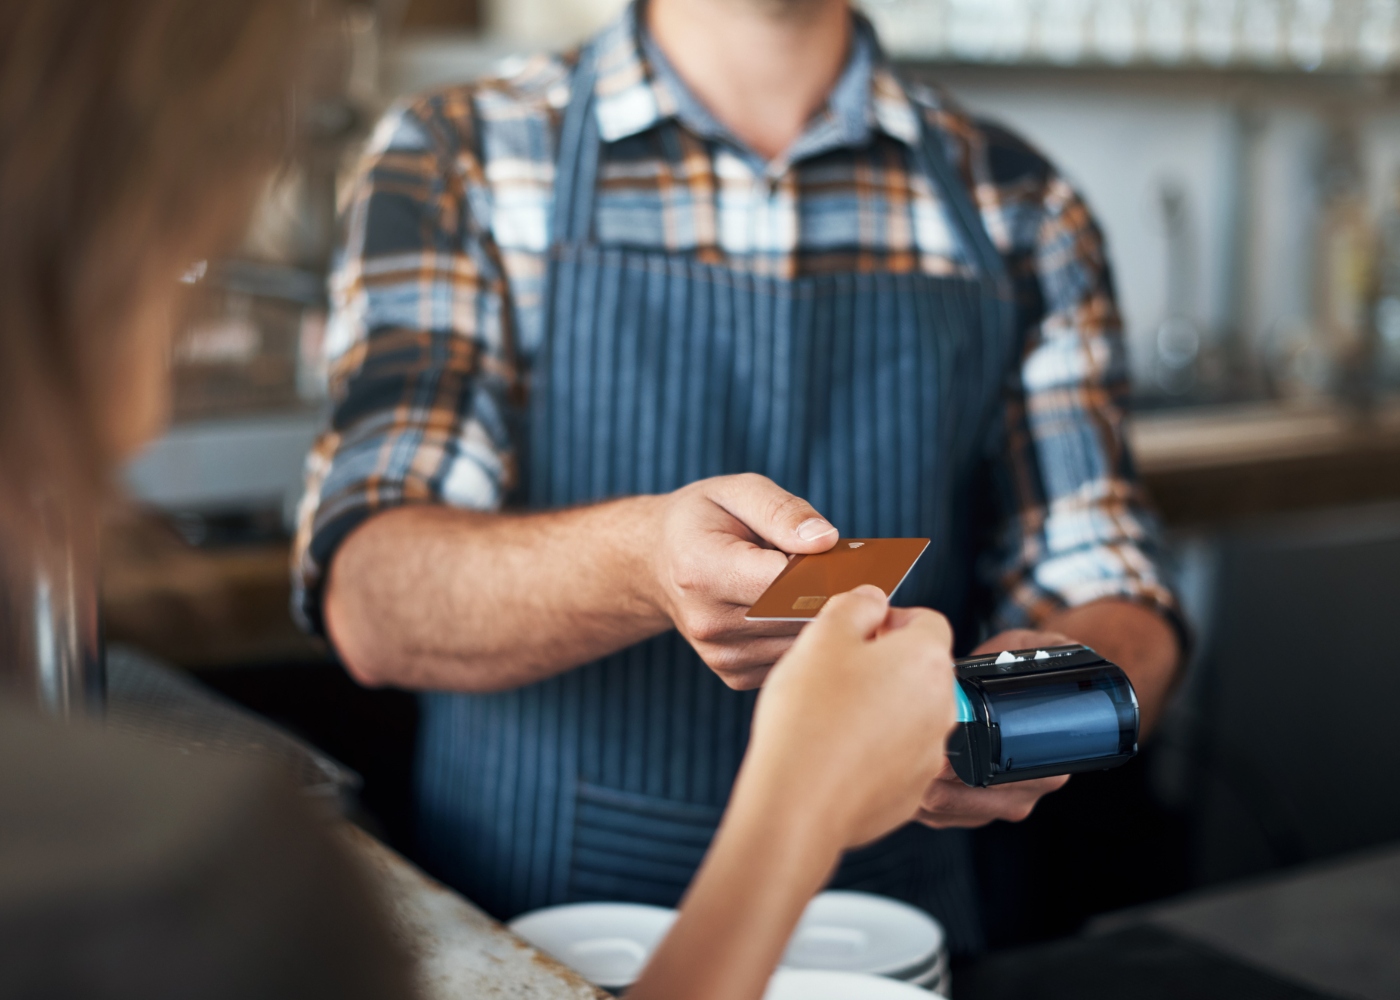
[637, 89]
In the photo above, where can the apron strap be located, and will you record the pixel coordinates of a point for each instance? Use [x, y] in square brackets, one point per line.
[576, 175]
[933, 158]
[1000, 314]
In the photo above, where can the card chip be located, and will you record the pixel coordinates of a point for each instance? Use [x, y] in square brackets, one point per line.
[808, 603]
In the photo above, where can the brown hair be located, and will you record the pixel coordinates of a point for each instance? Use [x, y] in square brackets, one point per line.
[133, 137]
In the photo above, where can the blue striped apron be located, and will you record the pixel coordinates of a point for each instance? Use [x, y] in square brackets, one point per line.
[875, 396]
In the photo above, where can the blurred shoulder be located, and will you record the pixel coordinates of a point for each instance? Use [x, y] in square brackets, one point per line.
[1026, 202]
[994, 153]
[524, 99]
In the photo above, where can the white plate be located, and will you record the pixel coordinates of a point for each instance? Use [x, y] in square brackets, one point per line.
[936, 982]
[605, 943]
[937, 972]
[813, 984]
[861, 932]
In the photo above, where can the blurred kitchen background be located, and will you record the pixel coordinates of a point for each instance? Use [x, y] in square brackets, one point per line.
[1243, 157]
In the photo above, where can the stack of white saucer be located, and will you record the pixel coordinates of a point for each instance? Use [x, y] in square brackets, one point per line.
[606, 943]
[816, 984]
[848, 946]
[860, 932]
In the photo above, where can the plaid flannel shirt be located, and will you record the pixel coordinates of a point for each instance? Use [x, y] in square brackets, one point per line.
[437, 294]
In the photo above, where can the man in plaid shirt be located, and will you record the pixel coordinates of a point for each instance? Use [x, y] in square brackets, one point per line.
[770, 142]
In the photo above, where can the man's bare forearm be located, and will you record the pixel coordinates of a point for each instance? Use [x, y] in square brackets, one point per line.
[1136, 638]
[435, 597]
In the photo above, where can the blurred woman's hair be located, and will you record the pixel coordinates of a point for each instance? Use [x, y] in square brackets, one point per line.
[134, 135]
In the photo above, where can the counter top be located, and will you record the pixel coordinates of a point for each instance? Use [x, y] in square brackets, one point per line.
[1326, 932]
[1213, 465]
[457, 950]
[199, 607]
[1334, 926]
[1250, 433]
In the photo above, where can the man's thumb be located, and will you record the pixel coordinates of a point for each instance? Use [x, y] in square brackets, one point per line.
[785, 521]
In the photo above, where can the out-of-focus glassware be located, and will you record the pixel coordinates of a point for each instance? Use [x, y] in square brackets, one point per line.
[1385, 313]
[1376, 42]
[1064, 29]
[1215, 31]
[1345, 248]
[989, 30]
[50, 643]
[912, 28]
[1342, 46]
[1308, 23]
[1308, 34]
[1116, 30]
[1177, 344]
[1166, 30]
[249, 343]
[1297, 364]
[1261, 32]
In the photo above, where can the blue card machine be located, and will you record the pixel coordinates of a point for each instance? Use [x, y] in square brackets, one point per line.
[1034, 713]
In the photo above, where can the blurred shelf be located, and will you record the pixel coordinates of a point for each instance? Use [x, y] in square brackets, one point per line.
[1278, 35]
[1222, 464]
[419, 61]
[1359, 90]
[198, 607]
[423, 61]
[249, 461]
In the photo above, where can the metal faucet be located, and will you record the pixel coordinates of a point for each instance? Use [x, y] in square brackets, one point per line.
[50, 638]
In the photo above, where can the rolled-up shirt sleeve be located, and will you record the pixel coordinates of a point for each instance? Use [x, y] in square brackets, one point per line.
[1075, 525]
[417, 346]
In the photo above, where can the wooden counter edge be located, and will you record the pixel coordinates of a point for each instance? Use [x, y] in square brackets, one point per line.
[457, 950]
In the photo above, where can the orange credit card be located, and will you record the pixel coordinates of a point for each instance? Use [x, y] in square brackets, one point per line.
[808, 581]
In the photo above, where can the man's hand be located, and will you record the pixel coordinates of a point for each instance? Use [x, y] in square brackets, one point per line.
[433, 597]
[949, 803]
[720, 543]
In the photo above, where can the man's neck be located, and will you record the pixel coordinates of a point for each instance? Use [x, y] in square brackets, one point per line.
[762, 67]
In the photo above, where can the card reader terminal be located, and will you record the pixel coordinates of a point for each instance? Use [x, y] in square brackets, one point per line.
[1034, 713]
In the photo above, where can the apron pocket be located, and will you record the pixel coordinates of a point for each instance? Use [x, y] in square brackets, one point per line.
[636, 848]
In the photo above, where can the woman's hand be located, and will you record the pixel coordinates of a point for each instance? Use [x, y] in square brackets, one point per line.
[851, 725]
[849, 731]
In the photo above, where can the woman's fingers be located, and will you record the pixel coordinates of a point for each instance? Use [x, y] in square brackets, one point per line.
[856, 614]
[927, 625]
[865, 612]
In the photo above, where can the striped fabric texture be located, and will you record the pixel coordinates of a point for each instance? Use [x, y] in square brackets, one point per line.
[437, 294]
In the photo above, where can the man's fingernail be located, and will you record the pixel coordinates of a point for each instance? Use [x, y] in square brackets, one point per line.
[813, 528]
